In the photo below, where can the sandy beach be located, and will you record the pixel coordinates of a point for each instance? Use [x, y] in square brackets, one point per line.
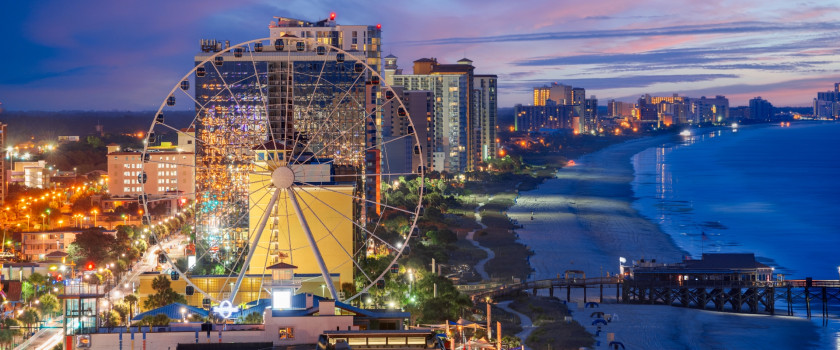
[583, 220]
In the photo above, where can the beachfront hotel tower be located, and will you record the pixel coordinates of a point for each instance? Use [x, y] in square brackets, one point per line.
[465, 110]
[270, 94]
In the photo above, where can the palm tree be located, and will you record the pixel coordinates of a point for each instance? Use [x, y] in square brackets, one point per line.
[131, 300]
[29, 317]
[49, 304]
[8, 334]
[38, 280]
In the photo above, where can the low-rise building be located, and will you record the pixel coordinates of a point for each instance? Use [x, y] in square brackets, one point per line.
[712, 267]
[37, 246]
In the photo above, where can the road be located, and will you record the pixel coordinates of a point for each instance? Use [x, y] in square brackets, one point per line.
[47, 338]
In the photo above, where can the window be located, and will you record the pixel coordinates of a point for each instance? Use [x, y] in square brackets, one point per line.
[286, 333]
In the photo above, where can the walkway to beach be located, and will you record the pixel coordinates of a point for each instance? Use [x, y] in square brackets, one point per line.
[524, 321]
[479, 267]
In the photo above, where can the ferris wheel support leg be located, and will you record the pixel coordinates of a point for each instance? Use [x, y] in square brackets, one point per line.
[312, 244]
[253, 246]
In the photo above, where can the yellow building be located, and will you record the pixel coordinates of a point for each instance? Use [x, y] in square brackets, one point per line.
[328, 210]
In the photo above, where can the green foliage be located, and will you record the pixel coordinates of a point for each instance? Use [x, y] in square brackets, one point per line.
[159, 320]
[122, 308]
[27, 290]
[449, 304]
[510, 342]
[252, 318]
[48, 304]
[442, 237]
[93, 245]
[164, 294]
[111, 318]
[29, 317]
[7, 334]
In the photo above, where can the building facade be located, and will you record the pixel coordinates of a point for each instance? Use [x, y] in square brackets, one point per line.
[760, 109]
[167, 173]
[450, 117]
[487, 110]
[271, 100]
[466, 108]
[827, 104]
[548, 117]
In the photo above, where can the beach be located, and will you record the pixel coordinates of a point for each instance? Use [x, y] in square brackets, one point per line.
[584, 220]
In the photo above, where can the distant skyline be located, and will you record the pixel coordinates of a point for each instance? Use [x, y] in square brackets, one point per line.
[126, 55]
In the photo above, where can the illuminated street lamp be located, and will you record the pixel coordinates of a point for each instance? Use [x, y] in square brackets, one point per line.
[27, 222]
[94, 212]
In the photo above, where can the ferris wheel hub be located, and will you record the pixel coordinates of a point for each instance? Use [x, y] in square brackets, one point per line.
[282, 177]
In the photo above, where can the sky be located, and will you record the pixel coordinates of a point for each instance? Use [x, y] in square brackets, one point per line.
[128, 54]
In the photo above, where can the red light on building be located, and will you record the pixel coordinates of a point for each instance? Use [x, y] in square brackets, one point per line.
[332, 16]
[379, 26]
[90, 266]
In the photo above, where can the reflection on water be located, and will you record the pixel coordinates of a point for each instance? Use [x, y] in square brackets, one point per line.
[767, 190]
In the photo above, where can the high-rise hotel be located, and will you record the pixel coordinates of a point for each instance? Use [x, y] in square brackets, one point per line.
[295, 95]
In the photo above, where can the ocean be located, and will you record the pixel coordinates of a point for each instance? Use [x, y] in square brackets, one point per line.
[770, 190]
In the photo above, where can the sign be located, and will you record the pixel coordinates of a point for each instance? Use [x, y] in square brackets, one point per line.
[83, 341]
[225, 309]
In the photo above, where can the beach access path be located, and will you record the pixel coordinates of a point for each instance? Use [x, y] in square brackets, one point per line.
[524, 321]
[480, 266]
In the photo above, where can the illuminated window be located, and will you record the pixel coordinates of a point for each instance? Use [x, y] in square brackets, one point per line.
[286, 333]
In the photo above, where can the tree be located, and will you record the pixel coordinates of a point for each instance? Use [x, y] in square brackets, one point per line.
[111, 319]
[29, 317]
[510, 342]
[252, 318]
[48, 304]
[93, 245]
[122, 308]
[8, 334]
[131, 300]
[38, 280]
[164, 294]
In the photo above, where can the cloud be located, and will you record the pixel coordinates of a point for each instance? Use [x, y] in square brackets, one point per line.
[630, 81]
[695, 29]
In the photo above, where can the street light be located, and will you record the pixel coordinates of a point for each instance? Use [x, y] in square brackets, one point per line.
[94, 212]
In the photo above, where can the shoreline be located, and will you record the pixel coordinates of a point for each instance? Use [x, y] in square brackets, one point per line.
[584, 219]
[587, 209]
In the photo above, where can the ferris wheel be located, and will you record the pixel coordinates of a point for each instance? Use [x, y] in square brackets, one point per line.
[280, 161]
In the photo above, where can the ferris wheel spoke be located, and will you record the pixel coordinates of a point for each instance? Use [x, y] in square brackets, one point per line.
[216, 95]
[263, 98]
[356, 197]
[252, 247]
[335, 109]
[352, 258]
[375, 146]
[351, 220]
[312, 97]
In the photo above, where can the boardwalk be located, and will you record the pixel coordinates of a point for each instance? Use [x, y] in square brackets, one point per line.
[733, 296]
